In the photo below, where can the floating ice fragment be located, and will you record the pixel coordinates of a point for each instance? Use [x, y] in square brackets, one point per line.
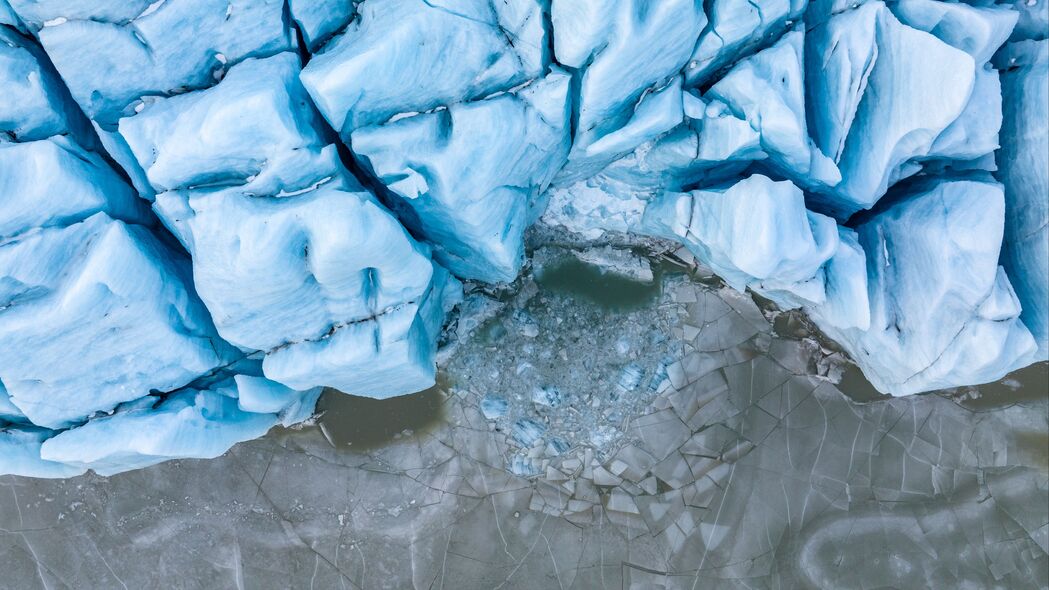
[527, 431]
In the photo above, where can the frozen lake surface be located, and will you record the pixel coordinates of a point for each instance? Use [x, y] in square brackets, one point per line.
[667, 434]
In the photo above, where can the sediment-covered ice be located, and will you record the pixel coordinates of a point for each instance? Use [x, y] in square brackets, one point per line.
[211, 210]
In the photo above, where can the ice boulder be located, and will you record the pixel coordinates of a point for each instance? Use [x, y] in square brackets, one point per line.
[319, 20]
[736, 30]
[111, 54]
[978, 31]
[942, 312]
[755, 233]
[291, 255]
[629, 54]
[407, 56]
[192, 423]
[768, 91]
[466, 176]
[256, 127]
[20, 453]
[907, 86]
[1024, 170]
[95, 314]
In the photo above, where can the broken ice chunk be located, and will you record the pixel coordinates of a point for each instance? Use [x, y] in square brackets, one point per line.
[95, 314]
[942, 312]
[319, 20]
[255, 126]
[768, 91]
[916, 88]
[109, 61]
[397, 58]
[839, 56]
[262, 396]
[556, 446]
[112, 54]
[629, 52]
[548, 396]
[20, 453]
[1022, 161]
[526, 431]
[979, 31]
[755, 230]
[466, 176]
[976, 30]
[736, 29]
[190, 423]
[391, 354]
[36, 105]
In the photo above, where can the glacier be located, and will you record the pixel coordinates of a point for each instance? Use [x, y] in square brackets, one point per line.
[212, 210]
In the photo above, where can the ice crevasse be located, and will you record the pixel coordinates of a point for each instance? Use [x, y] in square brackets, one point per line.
[210, 211]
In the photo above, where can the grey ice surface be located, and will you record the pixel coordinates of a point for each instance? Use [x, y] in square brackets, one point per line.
[587, 431]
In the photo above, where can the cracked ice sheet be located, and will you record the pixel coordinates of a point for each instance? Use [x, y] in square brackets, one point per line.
[745, 467]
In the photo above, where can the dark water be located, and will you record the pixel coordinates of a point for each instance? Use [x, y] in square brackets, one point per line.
[585, 281]
[365, 423]
[1025, 385]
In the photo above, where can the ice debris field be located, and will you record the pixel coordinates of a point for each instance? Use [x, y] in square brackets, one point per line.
[212, 210]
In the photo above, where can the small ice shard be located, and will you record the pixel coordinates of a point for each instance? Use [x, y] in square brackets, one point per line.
[630, 377]
[524, 466]
[942, 312]
[1023, 171]
[527, 325]
[737, 29]
[192, 423]
[547, 395]
[20, 453]
[96, 314]
[556, 447]
[527, 431]
[754, 231]
[291, 255]
[395, 58]
[466, 177]
[494, 407]
[768, 91]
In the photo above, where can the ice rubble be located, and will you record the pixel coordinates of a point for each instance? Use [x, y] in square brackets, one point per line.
[334, 168]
